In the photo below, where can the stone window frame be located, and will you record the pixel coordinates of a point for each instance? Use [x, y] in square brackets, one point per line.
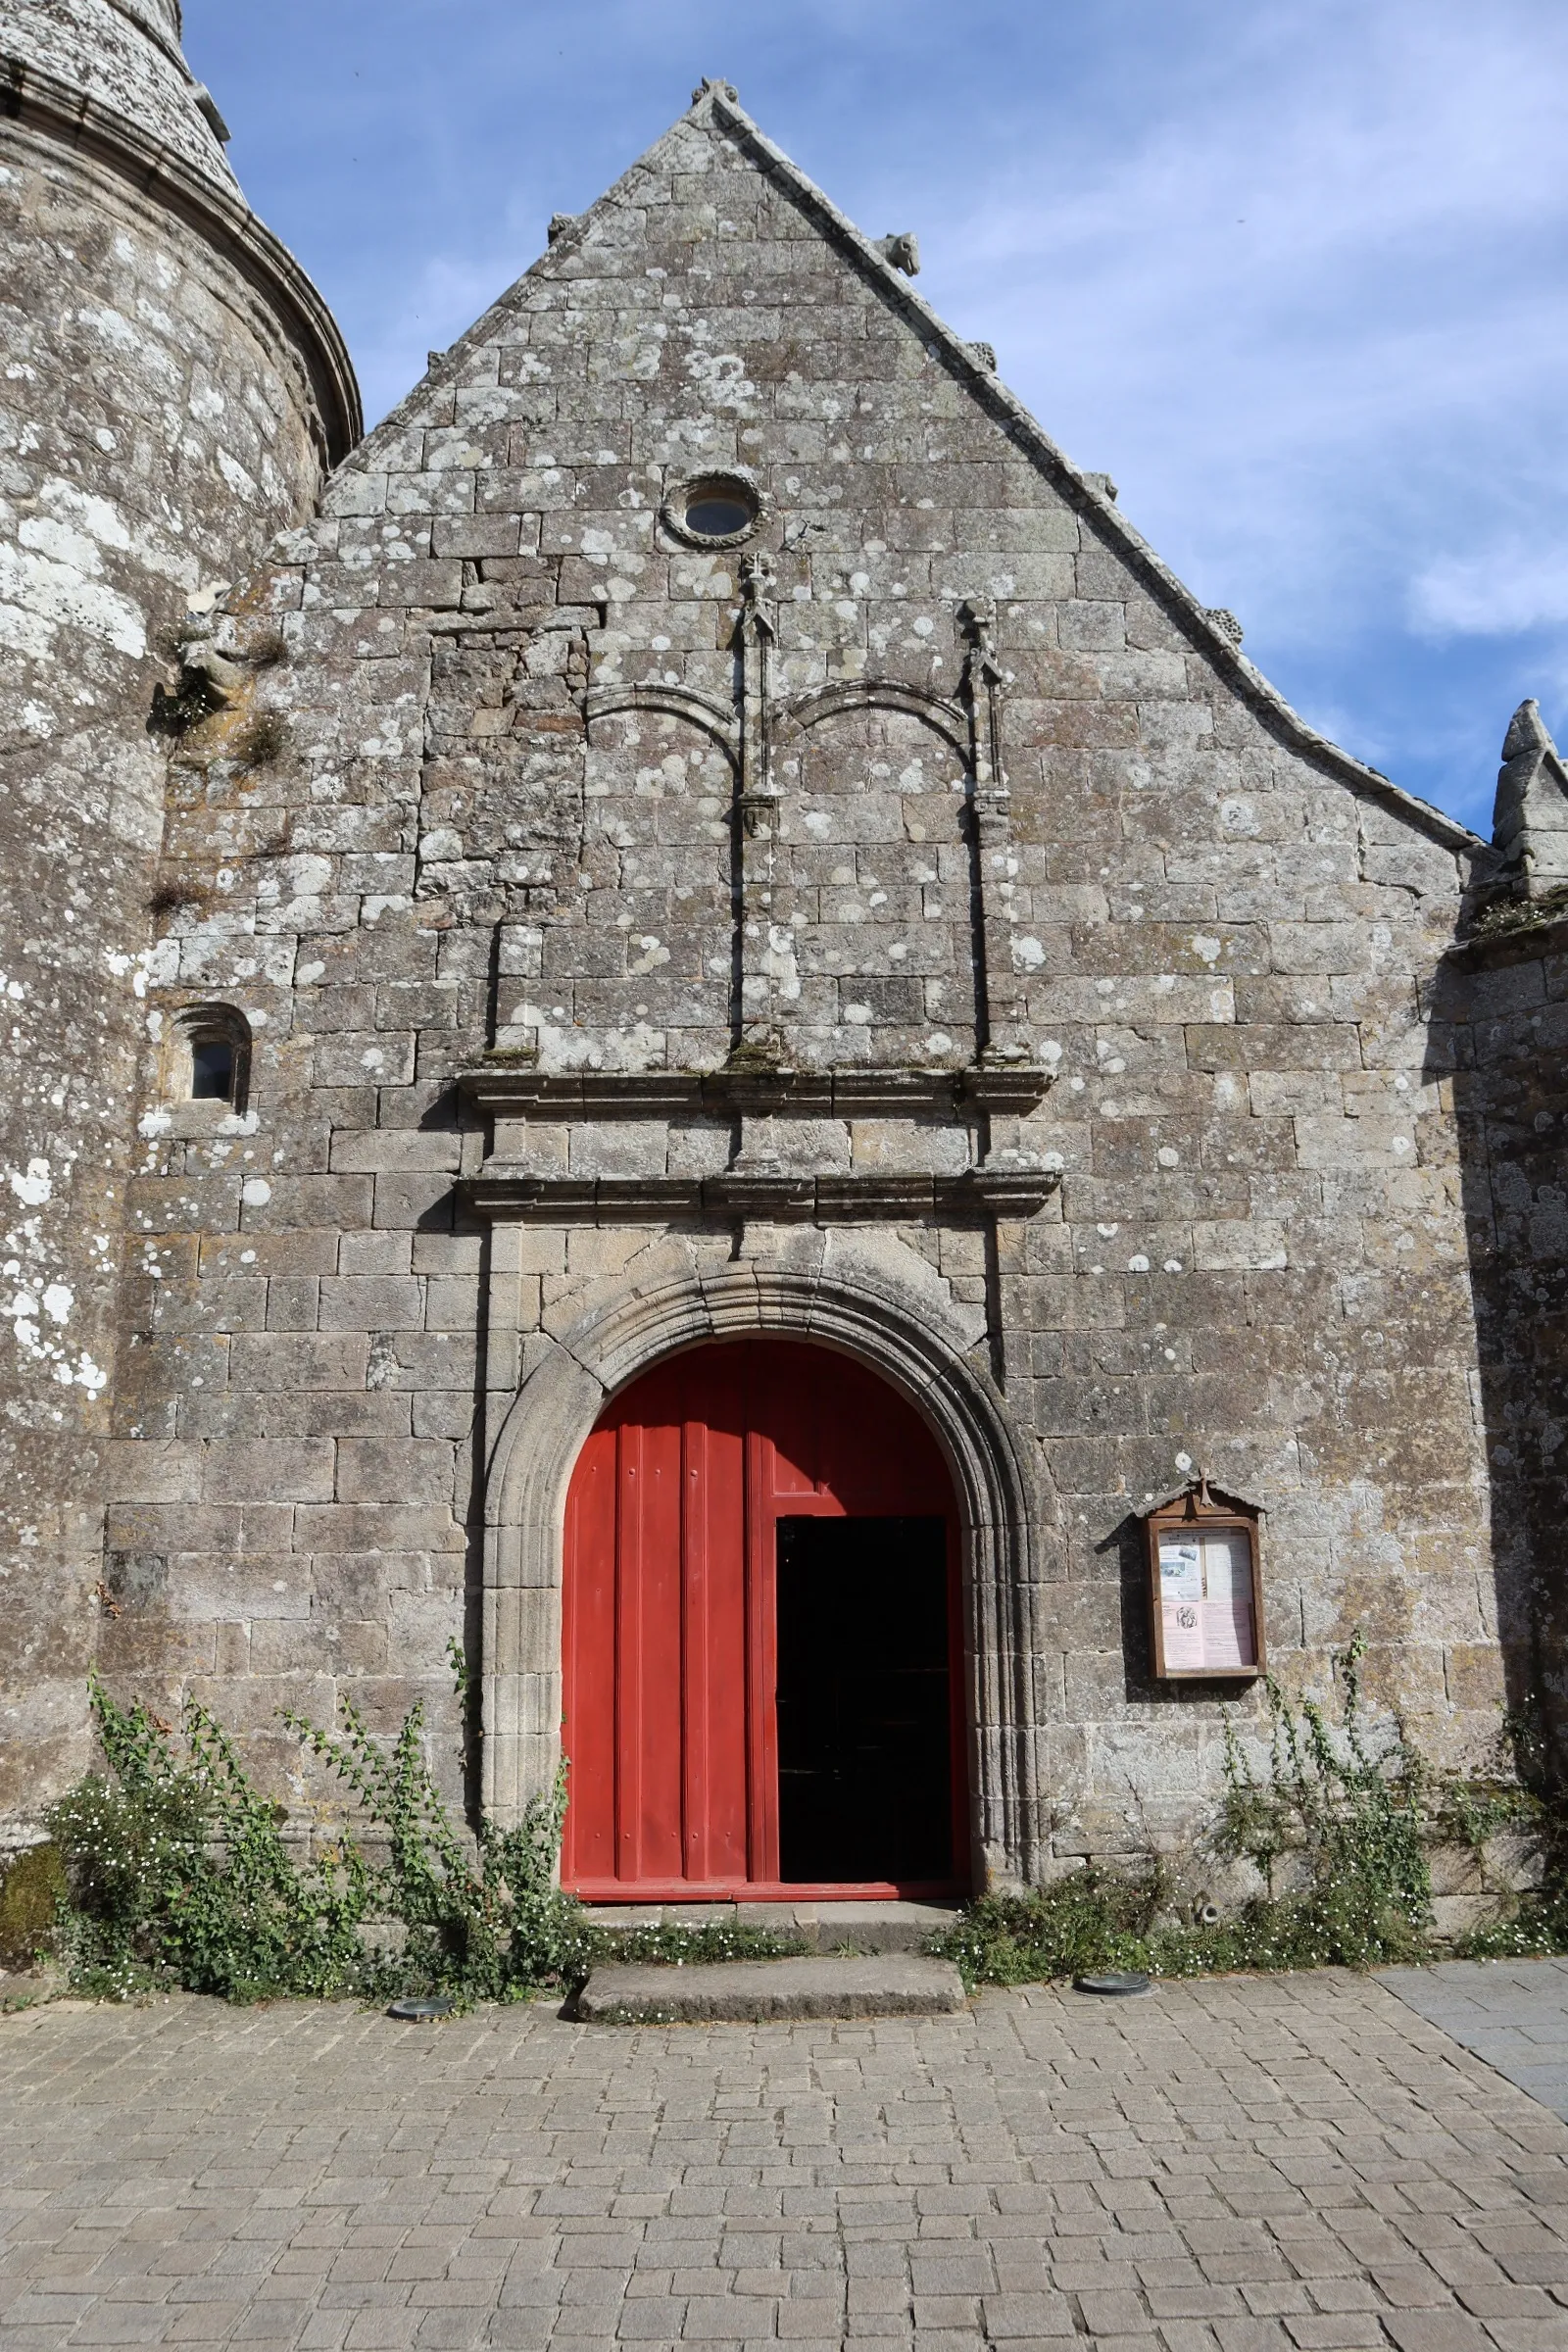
[678, 489]
[190, 1025]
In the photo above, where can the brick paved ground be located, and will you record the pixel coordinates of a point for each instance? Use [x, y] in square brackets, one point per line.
[1512, 2013]
[1275, 2164]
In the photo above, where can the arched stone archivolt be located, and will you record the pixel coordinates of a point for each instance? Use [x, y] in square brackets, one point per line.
[1008, 1516]
[853, 696]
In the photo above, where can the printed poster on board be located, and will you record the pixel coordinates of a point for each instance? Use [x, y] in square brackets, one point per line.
[1206, 1602]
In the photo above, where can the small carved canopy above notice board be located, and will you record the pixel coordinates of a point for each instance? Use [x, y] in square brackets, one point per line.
[1206, 1587]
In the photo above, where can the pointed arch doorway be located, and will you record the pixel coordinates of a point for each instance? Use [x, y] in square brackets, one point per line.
[761, 1646]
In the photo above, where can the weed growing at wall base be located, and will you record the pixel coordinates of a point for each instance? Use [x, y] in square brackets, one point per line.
[1339, 1832]
[175, 1871]
[178, 1873]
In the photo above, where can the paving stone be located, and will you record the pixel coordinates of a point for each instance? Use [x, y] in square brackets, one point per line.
[1436, 2331]
[958, 2179]
[1509, 2014]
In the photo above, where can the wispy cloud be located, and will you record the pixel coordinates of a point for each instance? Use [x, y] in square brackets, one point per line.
[1509, 589]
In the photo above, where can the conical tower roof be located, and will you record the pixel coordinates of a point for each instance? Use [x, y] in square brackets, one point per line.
[125, 59]
[108, 81]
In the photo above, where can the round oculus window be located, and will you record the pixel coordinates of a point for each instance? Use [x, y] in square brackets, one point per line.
[715, 511]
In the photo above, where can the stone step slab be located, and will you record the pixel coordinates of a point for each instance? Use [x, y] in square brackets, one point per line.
[825, 1927]
[758, 1992]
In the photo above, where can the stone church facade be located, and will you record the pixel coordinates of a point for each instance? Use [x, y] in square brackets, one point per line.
[704, 826]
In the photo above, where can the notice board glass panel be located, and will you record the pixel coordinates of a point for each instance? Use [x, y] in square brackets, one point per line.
[1204, 1589]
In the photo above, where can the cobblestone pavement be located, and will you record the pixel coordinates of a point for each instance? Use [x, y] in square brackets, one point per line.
[1258, 2165]
[1512, 2013]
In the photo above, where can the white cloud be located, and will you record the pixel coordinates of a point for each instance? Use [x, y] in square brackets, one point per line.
[1509, 588]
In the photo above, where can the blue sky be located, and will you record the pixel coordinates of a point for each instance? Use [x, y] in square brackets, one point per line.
[1292, 273]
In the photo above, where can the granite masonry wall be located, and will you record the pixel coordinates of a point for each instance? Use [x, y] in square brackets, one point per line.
[1506, 992]
[171, 395]
[1065, 1009]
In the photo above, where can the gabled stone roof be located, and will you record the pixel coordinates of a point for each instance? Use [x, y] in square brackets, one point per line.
[885, 262]
[107, 79]
[124, 57]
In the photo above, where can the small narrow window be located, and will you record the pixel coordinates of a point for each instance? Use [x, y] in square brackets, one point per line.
[212, 1069]
[207, 1056]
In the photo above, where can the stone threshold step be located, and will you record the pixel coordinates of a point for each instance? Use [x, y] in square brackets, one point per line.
[760, 1991]
[823, 1927]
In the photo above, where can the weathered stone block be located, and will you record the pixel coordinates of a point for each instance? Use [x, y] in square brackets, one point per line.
[258, 1470]
[372, 1302]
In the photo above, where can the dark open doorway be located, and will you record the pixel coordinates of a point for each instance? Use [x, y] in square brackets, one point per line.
[865, 1700]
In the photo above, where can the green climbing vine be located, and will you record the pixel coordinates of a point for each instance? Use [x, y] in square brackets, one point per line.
[168, 1866]
[1339, 1832]
[179, 1871]
[173, 1868]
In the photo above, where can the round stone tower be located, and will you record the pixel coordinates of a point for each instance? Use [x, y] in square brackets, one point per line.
[172, 392]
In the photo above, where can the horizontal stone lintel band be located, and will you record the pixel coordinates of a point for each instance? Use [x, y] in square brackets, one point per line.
[517, 1092]
[513, 1195]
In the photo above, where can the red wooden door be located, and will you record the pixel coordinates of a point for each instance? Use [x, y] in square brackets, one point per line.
[670, 1611]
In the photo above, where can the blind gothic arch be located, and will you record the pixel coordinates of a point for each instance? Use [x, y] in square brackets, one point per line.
[997, 1473]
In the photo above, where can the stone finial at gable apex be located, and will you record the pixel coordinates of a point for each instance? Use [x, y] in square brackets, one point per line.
[1530, 817]
[1527, 732]
[721, 89]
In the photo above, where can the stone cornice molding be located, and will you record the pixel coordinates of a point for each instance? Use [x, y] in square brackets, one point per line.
[1008, 1184]
[515, 1090]
[71, 120]
[520, 1196]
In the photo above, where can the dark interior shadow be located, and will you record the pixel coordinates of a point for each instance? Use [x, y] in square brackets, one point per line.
[446, 1213]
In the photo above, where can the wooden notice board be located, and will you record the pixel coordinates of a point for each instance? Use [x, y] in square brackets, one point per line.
[1206, 1589]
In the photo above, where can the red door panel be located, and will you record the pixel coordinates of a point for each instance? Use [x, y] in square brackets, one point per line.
[671, 1632]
